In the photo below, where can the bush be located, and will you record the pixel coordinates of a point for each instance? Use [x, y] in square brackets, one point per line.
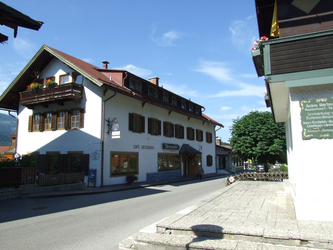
[284, 167]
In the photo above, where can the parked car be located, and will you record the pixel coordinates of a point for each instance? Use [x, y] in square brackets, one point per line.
[262, 167]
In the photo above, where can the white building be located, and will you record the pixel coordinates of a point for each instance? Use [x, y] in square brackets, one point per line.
[109, 120]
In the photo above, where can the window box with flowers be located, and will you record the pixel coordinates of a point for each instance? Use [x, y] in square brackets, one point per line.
[257, 55]
[34, 86]
[50, 82]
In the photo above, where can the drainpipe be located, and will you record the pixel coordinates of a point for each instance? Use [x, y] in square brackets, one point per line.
[103, 133]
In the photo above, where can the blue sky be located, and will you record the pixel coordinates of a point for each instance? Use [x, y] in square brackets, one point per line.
[199, 49]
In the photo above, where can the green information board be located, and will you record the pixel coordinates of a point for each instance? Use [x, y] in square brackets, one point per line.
[317, 118]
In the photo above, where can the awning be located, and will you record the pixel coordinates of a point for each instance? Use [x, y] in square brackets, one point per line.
[187, 149]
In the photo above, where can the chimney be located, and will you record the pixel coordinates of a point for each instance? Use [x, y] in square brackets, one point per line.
[105, 64]
[154, 80]
[218, 141]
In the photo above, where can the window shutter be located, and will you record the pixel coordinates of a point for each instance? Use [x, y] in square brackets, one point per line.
[209, 160]
[172, 130]
[188, 133]
[54, 122]
[149, 125]
[181, 132]
[41, 122]
[159, 127]
[30, 124]
[142, 120]
[81, 118]
[67, 120]
[130, 122]
[85, 163]
[165, 128]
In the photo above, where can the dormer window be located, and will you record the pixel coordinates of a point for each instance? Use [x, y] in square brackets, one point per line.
[197, 110]
[190, 107]
[135, 85]
[174, 100]
[152, 91]
[183, 104]
[64, 79]
[165, 97]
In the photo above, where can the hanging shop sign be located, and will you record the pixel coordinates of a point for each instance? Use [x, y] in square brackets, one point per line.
[317, 118]
[170, 146]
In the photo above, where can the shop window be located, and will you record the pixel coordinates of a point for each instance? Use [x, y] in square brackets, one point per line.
[199, 135]
[135, 84]
[209, 160]
[168, 129]
[154, 126]
[123, 163]
[64, 79]
[168, 162]
[179, 131]
[136, 123]
[209, 137]
[190, 133]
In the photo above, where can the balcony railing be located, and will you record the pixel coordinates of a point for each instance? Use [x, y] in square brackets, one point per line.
[56, 94]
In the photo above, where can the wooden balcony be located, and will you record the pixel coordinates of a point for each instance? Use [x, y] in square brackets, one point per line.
[58, 94]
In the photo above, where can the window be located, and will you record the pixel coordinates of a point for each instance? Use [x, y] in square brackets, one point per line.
[199, 135]
[190, 133]
[74, 161]
[209, 160]
[124, 163]
[154, 126]
[168, 162]
[190, 107]
[197, 110]
[75, 119]
[36, 121]
[47, 121]
[152, 91]
[209, 137]
[135, 84]
[61, 120]
[168, 129]
[179, 131]
[52, 163]
[174, 100]
[64, 79]
[183, 104]
[77, 78]
[136, 123]
[165, 97]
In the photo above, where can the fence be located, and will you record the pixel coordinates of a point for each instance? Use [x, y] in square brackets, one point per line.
[271, 176]
[29, 175]
[59, 179]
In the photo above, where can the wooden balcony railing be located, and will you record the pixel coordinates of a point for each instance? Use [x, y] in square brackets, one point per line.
[57, 94]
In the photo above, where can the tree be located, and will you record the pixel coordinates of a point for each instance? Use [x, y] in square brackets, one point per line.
[256, 136]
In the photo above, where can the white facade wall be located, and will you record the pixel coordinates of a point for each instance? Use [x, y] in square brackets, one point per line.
[120, 106]
[86, 140]
[309, 161]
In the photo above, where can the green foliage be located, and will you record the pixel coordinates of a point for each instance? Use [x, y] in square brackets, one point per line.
[256, 136]
[284, 167]
[7, 126]
[24, 161]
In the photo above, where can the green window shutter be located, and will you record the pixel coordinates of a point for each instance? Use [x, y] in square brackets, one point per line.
[150, 125]
[159, 127]
[130, 122]
[142, 120]
[41, 122]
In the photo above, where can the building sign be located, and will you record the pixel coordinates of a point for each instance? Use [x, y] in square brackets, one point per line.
[115, 134]
[170, 146]
[143, 147]
[317, 118]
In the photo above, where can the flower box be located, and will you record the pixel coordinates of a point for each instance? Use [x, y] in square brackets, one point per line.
[258, 61]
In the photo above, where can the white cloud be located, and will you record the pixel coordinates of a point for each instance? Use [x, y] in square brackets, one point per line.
[24, 48]
[216, 70]
[181, 90]
[225, 108]
[244, 33]
[244, 90]
[166, 39]
[144, 73]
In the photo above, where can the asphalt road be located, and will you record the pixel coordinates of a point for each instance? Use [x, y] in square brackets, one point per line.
[97, 221]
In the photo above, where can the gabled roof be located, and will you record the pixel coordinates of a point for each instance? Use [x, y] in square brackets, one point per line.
[12, 18]
[10, 98]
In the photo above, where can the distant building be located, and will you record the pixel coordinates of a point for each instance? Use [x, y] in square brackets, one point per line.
[74, 116]
[297, 62]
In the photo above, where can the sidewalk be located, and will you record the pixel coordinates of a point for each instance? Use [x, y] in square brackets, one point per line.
[118, 187]
[244, 215]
